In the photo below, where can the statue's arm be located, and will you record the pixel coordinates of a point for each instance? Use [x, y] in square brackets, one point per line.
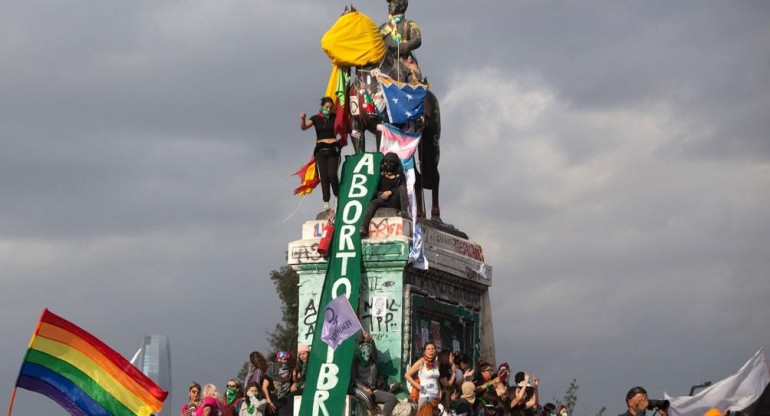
[386, 31]
[415, 38]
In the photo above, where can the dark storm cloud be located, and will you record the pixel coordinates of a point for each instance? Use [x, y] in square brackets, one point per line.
[611, 158]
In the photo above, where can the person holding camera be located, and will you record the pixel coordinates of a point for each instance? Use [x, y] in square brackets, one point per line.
[638, 403]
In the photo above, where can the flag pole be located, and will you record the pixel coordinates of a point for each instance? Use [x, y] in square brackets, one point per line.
[34, 334]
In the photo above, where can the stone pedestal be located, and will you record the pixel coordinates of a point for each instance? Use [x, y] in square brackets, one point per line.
[403, 307]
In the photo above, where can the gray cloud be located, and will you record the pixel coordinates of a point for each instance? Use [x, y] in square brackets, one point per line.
[611, 158]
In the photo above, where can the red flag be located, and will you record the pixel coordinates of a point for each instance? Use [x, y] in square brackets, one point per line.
[308, 178]
[342, 123]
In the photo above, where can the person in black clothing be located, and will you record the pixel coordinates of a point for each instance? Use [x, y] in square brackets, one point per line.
[327, 149]
[464, 405]
[391, 190]
[638, 402]
[366, 383]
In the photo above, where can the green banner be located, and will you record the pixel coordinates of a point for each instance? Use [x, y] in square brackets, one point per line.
[328, 376]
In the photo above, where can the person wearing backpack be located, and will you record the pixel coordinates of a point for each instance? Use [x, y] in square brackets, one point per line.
[277, 385]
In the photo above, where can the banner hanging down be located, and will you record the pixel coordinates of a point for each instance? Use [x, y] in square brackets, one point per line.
[328, 376]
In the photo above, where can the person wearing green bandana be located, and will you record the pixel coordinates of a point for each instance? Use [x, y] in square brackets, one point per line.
[327, 147]
[365, 381]
[254, 403]
[233, 398]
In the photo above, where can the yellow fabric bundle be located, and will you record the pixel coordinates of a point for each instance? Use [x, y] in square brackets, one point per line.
[354, 40]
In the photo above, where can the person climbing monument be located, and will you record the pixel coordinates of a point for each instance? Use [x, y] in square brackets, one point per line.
[327, 148]
[391, 190]
[401, 37]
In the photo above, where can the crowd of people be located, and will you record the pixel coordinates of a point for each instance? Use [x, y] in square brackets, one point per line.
[438, 383]
[447, 384]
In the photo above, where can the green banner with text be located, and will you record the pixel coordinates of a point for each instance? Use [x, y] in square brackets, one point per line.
[328, 375]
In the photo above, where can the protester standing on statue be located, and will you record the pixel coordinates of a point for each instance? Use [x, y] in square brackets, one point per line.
[327, 149]
[426, 369]
[194, 395]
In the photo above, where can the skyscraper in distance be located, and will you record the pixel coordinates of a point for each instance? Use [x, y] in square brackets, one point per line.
[154, 360]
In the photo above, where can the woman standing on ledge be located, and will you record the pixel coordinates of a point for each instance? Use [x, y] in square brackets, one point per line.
[327, 150]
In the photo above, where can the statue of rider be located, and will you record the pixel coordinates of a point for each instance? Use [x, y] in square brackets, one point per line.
[401, 38]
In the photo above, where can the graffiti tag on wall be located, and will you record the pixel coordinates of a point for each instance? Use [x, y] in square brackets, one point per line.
[454, 244]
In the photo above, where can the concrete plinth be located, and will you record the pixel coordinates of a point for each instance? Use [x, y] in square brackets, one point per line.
[403, 307]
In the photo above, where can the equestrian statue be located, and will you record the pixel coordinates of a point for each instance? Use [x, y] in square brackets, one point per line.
[401, 37]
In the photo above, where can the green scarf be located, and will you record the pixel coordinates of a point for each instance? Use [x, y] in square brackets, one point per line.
[250, 406]
[364, 348]
[230, 395]
[394, 21]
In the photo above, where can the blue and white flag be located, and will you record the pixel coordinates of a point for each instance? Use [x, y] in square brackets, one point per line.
[404, 101]
[340, 322]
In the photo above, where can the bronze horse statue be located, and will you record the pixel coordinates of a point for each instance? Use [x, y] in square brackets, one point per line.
[365, 87]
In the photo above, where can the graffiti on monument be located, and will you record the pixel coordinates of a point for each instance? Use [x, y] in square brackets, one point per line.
[454, 244]
[386, 227]
[375, 284]
[379, 318]
[309, 315]
[304, 254]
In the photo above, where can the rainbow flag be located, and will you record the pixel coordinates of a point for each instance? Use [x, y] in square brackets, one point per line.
[83, 374]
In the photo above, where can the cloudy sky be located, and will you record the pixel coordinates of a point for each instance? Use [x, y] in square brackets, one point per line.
[612, 158]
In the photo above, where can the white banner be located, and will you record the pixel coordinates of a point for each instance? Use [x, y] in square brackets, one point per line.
[736, 392]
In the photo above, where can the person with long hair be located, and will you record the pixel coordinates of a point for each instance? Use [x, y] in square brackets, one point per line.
[300, 370]
[426, 370]
[254, 404]
[487, 379]
[327, 148]
[257, 368]
[366, 381]
[194, 400]
[447, 371]
[212, 402]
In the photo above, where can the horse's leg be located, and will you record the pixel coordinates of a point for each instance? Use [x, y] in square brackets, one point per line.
[435, 210]
[377, 138]
[357, 135]
[419, 196]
